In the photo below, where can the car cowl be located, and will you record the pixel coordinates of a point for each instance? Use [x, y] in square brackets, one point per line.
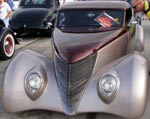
[73, 47]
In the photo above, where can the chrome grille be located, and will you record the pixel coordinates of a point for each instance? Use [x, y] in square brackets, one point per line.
[72, 79]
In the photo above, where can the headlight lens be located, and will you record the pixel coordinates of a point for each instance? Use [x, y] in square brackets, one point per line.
[108, 86]
[35, 81]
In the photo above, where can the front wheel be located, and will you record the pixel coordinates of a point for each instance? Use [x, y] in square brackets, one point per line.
[7, 46]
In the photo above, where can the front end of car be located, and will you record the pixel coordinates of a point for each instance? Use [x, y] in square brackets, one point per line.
[84, 86]
[91, 69]
[99, 79]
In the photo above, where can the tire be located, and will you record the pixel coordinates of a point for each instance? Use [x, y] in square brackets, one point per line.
[7, 46]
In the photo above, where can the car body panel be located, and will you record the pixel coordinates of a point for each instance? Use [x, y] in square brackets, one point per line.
[80, 61]
[90, 101]
[132, 95]
[20, 21]
[21, 94]
[69, 51]
[28, 18]
[3, 30]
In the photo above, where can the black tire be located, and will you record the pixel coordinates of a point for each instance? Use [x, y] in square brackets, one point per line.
[7, 46]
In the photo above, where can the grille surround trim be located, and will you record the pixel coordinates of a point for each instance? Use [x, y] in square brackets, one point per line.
[72, 79]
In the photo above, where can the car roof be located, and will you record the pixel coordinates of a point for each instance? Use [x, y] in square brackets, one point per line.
[96, 4]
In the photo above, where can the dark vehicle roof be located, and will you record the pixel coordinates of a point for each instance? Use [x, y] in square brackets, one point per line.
[96, 4]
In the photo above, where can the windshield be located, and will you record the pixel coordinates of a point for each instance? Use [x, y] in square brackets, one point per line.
[35, 3]
[91, 18]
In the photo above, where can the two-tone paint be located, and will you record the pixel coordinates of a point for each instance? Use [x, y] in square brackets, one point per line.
[78, 64]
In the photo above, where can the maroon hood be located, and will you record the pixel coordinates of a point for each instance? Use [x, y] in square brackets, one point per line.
[73, 47]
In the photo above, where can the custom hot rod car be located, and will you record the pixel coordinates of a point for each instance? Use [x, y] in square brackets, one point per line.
[97, 66]
[7, 42]
[34, 16]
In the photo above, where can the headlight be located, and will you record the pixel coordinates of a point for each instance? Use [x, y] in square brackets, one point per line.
[108, 83]
[35, 82]
[108, 86]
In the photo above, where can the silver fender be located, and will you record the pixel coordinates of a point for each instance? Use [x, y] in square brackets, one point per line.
[130, 99]
[129, 102]
[15, 98]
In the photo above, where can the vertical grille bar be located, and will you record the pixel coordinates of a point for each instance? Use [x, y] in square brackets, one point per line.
[72, 79]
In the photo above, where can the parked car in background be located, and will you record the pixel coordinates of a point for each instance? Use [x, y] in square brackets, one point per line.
[34, 16]
[7, 42]
[97, 65]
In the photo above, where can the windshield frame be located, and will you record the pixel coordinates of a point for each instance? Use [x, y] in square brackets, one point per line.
[63, 28]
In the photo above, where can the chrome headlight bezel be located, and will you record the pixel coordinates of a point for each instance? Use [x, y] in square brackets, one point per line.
[108, 95]
[33, 91]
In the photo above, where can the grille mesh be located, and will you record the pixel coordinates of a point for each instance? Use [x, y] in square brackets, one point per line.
[72, 79]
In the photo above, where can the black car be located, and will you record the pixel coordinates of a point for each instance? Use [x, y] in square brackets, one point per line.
[34, 16]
